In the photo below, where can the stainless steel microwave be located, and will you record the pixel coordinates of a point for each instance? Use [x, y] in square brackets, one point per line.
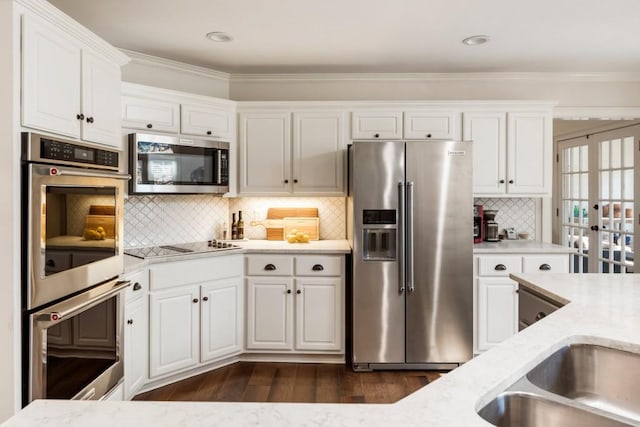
[163, 164]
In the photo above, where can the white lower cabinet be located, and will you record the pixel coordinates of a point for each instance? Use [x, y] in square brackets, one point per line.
[136, 333]
[496, 309]
[301, 313]
[196, 313]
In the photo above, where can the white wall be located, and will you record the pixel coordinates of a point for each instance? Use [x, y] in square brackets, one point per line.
[153, 71]
[9, 218]
[568, 90]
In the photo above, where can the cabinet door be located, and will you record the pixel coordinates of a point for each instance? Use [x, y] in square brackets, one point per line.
[265, 153]
[206, 121]
[432, 125]
[174, 333]
[497, 311]
[100, 100]
[269, 313]
[221, 319]
[136, 346]
[376, 125]
[319, 310]
[529, 153]
[150, 114]
[488, 132]
[318, 153]
[50, 79]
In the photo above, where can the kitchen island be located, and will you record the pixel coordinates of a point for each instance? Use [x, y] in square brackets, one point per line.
[602, 309]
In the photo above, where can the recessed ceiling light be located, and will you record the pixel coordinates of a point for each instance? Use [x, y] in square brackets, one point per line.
[475, 40]
[219, 36]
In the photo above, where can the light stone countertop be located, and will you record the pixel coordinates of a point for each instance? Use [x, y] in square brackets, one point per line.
[520, 246]
[603, 310]
[318, 247]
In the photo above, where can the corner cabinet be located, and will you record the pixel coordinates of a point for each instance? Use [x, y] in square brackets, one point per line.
[496, 295]
[196, 313]
[300, 153]
[295, 304]
[79, 97]
[511, 152]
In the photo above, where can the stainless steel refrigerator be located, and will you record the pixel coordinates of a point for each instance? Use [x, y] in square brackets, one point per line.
[411, 227]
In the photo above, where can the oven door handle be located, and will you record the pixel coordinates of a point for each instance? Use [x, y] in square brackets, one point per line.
[72, 307]
[90, 174]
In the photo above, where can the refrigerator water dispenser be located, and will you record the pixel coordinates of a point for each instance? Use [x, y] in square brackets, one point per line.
[379, 244]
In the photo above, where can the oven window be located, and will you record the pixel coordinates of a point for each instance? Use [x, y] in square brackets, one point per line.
[80, 349]
[78, 226]
[168, 164]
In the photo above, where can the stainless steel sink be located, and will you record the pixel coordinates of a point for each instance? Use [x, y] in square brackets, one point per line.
[601, 377]
[528, 410]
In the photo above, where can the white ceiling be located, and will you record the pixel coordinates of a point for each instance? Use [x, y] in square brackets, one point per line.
[385, 36]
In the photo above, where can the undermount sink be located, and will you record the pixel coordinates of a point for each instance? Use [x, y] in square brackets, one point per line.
[578, 385]
[528, 410]
[594, 375]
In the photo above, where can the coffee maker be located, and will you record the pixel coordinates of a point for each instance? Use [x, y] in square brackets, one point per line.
[490, 226]
[478, 226]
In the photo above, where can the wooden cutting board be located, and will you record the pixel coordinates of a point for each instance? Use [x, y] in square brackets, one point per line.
[275, 231]
[102, 210]
[310, 226]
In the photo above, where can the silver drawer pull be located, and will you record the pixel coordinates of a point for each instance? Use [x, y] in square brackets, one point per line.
[270, 267]
[501, 267]
[545, 267]
[317, 267]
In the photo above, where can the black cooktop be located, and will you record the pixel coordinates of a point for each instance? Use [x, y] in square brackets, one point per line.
[180, 249]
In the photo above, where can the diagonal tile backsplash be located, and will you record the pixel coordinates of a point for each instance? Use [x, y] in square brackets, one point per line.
[519, 213]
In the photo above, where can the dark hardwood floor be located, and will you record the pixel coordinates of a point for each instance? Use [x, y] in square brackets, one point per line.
[291, 382]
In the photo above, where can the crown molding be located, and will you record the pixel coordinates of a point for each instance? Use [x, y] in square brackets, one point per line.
[51, 14]
[531, 76]
[143, 58]
[596, 113]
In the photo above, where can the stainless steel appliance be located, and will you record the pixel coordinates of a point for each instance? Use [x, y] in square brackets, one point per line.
[73, 201]
[181, 249]
[410, 207]
[167, 165]
[533, 306]
[491, 231]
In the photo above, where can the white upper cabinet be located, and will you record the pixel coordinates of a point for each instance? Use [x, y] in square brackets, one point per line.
[529, 156]
[150, 114]
[511, 152]
[50, 94]
[488, 131]
[431, 124]
[272, 162]
[100, 99]
[265, 153]
[376, 125]
[66, 88]
[206, 121]
[318, 152]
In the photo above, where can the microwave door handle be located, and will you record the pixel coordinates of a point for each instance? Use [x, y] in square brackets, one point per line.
[60, 172]
[219, 167]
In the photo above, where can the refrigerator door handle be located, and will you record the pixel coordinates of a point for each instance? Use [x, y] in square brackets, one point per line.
[401, 232]
[409, 237]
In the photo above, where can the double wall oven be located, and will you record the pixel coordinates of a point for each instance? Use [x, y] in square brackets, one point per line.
[72, 201]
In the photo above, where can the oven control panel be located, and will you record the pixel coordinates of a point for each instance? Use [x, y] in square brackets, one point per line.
[57, 150]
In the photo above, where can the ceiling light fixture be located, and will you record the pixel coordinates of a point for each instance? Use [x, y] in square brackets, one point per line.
[475, 40]
[219, 36]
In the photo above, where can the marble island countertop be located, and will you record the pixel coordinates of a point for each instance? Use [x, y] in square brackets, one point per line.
[603, 309]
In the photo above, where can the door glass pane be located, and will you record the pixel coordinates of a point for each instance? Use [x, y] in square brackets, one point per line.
[604, 155]
[616, 153]
[627, 152]
[584, 186]
[627, 184]
[616, 184]
[604, 185]
[574, 155]
[584, 159]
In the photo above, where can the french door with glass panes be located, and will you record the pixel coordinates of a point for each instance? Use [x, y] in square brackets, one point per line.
[598, 192]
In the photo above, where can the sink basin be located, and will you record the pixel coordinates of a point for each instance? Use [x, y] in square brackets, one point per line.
[601, 377]
[528, 410]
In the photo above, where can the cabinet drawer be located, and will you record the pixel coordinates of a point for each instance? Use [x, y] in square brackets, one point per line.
[314, 265]
[499, 265]
[139, 285]
[150, 114]
[545, 264]
[206, 121]
[179, 273]
[269, 265]
[431, 125]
